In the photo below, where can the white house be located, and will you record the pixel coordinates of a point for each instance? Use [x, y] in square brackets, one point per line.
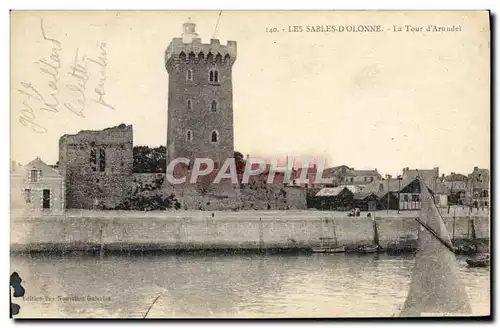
[36, 187]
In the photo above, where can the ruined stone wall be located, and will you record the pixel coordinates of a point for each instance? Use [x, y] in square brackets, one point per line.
[272, 197]
[97, 186]
[147, 181]
[243, 197]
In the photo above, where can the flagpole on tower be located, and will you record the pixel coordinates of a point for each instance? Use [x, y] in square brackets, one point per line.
[217, 24]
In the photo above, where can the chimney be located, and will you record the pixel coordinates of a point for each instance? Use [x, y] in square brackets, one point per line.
[248, 156]
[388, 176]
[475, 168]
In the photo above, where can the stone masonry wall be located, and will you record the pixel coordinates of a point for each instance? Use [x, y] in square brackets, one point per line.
[86, 187]
[199, 119]
[166, 230]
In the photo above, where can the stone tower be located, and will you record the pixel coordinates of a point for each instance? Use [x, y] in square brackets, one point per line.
[200, 97]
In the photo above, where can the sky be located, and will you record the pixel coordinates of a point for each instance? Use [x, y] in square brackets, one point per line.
[383, 100]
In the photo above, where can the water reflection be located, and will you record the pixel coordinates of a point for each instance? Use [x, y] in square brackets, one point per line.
[318, 285]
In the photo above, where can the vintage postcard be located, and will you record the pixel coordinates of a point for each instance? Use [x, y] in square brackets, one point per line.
[250, 164]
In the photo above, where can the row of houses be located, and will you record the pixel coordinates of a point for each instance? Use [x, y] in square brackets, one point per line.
[41, 186]
[403, 192]
[472, 189]
[394, 194]
[340, 175]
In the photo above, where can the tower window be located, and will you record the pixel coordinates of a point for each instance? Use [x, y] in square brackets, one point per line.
[215, 136]
[189, 75]
[102, 160]
[190, 104]
[189, 135]
[213, 76]
[93, 159]
[214, 106]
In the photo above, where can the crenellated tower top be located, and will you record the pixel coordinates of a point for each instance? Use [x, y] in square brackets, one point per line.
[190, 48]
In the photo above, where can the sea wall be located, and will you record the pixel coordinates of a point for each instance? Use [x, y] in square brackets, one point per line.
[183, 230]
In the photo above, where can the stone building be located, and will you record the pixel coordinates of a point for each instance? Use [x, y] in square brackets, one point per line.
[364, 177]
[457, 184]
[479, 186]
[429, 175]
[432, 180]
[36, 187]
[345, 175]
[200, 97]
[97, 167]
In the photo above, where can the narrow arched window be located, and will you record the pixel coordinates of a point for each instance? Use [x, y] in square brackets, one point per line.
[189, 135]
[215, 136]
[102, 160]
[189, 75]
[214, 106]
[93, 159]
[190, 104]
[213, 76]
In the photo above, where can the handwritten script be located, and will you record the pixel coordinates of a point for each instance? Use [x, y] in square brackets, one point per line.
[66, 87]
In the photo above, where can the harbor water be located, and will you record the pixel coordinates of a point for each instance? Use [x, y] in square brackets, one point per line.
[224, 286]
